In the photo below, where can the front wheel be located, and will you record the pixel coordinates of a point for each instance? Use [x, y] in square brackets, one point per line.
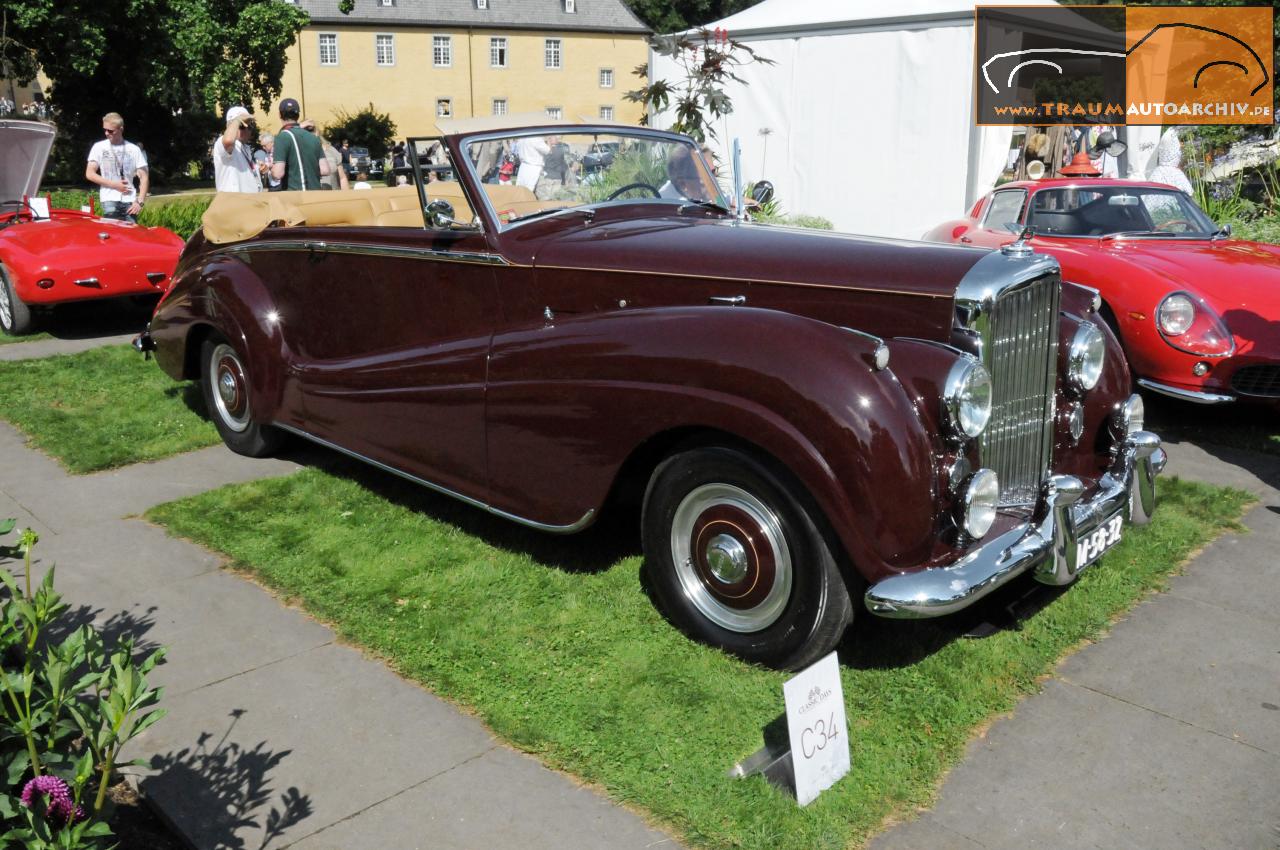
[736, 561]
[15, 316]
[225, 383]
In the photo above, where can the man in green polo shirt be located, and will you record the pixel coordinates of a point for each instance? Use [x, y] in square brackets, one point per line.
[299, 159]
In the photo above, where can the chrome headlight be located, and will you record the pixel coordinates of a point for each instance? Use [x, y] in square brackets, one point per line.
[1176, 314]
[967, 398]
[1131, 416]
[978, 503]
[1085, 359]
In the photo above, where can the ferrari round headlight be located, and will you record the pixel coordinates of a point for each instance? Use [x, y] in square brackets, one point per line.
[1131, 415]
[1086, 357]
[978, 503]
[967, 398]
[1176, 314]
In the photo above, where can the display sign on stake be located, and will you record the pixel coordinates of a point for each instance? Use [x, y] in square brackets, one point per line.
[817, 728]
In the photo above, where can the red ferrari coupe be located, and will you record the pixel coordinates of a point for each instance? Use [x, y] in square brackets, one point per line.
[50, 257]
[1198, 313]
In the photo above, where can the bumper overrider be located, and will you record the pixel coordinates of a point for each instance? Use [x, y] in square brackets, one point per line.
[1050, 546]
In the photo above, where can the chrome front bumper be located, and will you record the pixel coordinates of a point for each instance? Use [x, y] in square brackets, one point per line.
[1193, 396]
[1048, 546]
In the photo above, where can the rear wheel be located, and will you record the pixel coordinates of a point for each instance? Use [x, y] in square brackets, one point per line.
[15, 316]
[736, 560]
[227, 390]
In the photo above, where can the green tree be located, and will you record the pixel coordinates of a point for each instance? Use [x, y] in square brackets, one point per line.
[368, 128]
[665, 16]
[708, 60]
[168, 66]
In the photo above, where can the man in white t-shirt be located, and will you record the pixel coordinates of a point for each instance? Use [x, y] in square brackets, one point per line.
[234, 168]
[113, 163]
[532, 152]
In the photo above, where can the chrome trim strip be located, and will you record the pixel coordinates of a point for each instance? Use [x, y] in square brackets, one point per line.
[88, 282]
[1186, 395]
[1049, 546]
[582, 523]
[368, 250]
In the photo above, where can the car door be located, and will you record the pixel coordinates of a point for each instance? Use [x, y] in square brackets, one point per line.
[1006, 207]
[390, 331]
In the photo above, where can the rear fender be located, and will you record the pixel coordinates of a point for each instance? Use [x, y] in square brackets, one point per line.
[225, 295]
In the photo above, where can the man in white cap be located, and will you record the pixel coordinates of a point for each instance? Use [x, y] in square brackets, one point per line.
[234, 169]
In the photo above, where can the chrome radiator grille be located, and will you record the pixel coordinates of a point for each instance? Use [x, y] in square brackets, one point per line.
[1020, 347]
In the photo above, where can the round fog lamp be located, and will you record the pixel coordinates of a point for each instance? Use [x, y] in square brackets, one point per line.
[978, 503]
[1200, 369]
[1132, 415]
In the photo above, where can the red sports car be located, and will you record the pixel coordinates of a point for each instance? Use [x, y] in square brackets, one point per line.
[50, 257]
[1198, 313]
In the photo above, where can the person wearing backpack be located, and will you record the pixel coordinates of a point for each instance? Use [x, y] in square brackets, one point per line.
[299, 157]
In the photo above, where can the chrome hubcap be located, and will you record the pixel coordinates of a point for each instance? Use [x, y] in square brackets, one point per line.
[731, 557]
[231, 398]
[727, 559]
[6, 312]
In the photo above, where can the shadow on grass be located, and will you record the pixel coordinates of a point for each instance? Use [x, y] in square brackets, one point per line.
[615, 536]
[219, 795]
[94, 319]
[192, 396]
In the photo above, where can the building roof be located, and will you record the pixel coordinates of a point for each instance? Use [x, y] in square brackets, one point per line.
[590, 15]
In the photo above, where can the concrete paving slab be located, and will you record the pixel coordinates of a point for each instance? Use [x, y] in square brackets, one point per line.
[132, 556]
[525, 806]
[1170, 658]
[344, 732]
[1076, 769]
[50, 347]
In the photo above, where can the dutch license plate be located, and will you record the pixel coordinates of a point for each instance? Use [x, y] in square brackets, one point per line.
[1093, 545]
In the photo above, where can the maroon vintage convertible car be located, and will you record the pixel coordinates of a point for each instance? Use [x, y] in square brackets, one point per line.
[805, 419]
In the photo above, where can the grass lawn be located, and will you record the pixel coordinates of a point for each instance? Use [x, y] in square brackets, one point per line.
[554, 643]
[103, 408]
[5, 339]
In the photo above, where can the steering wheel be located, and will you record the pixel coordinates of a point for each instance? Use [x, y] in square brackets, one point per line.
[1168, 226]
[23, 208]
[630, 186]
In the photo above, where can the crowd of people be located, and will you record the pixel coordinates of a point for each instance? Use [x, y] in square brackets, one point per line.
[36, 109]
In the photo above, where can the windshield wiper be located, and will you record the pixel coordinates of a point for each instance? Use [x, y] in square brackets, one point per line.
[703, 204]
[1126, 233]
[585, 211]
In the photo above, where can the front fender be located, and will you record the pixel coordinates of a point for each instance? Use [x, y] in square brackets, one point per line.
[569, 402]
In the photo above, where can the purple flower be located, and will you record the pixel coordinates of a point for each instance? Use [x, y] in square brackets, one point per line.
[58, 803]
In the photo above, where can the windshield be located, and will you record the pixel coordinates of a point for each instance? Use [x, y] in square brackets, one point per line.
[526, 176]
[1117, 210]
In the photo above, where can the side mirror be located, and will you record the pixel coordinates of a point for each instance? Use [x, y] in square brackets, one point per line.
[1226, 230]
[762, 192]
[440, 213]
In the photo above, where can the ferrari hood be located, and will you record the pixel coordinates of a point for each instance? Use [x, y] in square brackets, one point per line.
[24, 150]
[1229, 273]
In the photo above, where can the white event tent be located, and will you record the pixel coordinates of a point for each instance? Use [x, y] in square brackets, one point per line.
[866, 118]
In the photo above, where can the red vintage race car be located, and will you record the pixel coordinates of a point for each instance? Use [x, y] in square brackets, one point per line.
[1198, 313]
[50, 257]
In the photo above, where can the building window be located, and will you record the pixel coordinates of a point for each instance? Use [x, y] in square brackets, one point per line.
[553, 53]
[482, 4]
[568, 6]
[606, 78]
[499, 106]
[554, 112]
[442, 51]
[328, 48]
[497, 53]
[385, 49]
[606, 113]
[386, 2]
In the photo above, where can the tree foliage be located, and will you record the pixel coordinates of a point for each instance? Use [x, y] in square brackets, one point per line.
[367, 128]
[665, 16]
[708, 60]
[168, 66]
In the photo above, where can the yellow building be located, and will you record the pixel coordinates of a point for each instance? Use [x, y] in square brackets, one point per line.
[417, 60]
